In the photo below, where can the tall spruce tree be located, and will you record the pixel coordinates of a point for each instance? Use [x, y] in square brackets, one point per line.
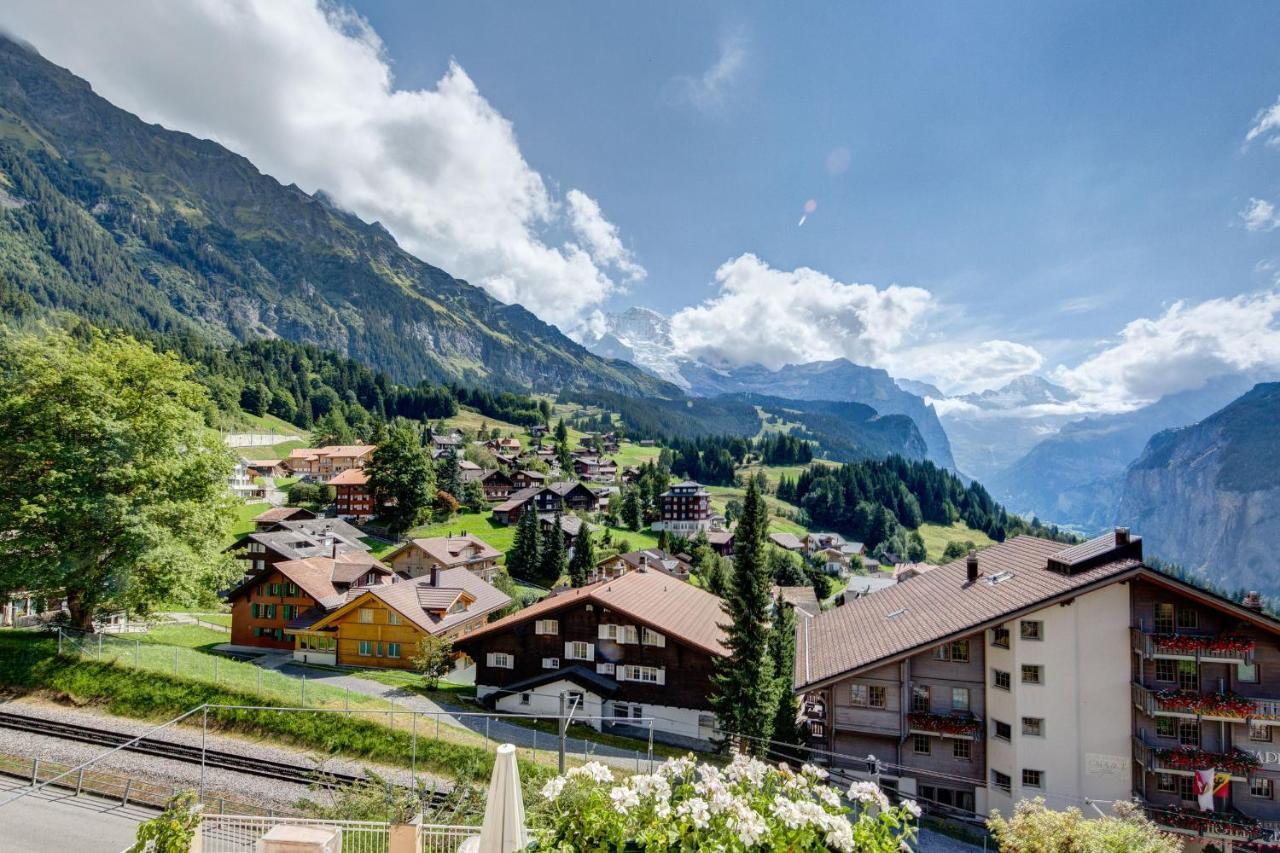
[555, 562]
[449, 474]
[525, 557]
[745, 682]
[782, 647]
[584, 557]
[401, 478]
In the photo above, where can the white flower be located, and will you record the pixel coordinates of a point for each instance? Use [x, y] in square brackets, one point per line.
[552, 789]
[746, 824]
[593, 770]
[696, 810]
[912, 808]
[828, 795]
[676, 766]
[815, 772]
[840, 837]
[624, 799]
[868, 794]
[785, 811]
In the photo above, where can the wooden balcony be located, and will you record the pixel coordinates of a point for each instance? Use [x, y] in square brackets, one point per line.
[1211, 648]
[1213, 706]
[1230, 825]
[959, 726]
[1157, 759]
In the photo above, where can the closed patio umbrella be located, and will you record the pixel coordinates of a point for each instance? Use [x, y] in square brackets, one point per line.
[503, 830]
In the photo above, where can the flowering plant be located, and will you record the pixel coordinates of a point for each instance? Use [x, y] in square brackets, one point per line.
[1235, 824]
[950, 724]
[1237, 761]
[747, 805]
[1187, 644]
[1224, 704]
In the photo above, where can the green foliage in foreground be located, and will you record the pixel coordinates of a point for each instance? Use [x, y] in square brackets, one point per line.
[1035, 827]
[171, 831]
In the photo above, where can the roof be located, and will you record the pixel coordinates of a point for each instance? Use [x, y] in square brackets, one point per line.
[321, 577]
[910, 617]
[680, 610]
[601, 685]
[686, 485]
[349, 477]
[520, 498]
[282, 513]
[719, 537]
[655, 557]
[318, 528]
[867, 584]
[355, 450]
[448, 550]
[786, 540]
[802, 598]
[411, 599]
[565, 488]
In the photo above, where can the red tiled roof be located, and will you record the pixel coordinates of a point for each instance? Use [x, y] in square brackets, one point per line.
[349, 477]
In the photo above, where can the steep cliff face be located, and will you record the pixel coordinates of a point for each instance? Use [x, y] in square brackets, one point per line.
[1208, 496]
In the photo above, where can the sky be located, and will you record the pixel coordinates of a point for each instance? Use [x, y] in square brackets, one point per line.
[959, 193]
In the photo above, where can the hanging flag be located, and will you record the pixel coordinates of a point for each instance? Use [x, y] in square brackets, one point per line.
[1202, 787]
[1221, 782]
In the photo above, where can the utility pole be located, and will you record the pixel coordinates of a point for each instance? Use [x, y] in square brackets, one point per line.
[564, 727]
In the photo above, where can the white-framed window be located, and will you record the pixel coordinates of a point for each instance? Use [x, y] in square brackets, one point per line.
[366, 615]
[1032, 778]
[578, 650]
[546, 626]
[259, 565]
[643, 674]
[653, 638]
[257, 548]
[621, 634]
[551, 663]
[1247, 673]
[1260, 788]
[604, 668]
[366, 648]
[500, 660]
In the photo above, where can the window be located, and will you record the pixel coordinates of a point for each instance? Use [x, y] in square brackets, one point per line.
[604, 668]
[621, 710]
[877, 696]
[393, 618]
[500, 660]
[920, 744]
[1032, 629]
[259, 565]
[868, 695]
[1247, 673]
[524, 698]
[253, 610]
[962, 749]
[393, 650]
[1032, 673]
[366, 615]
[621, 634]
[1166, 670]
[1032, 778]
[293, 588]
[1001, 780]
[1187, 618]
[652, 638]
[1164, 618]
[1000, 638]
[919, 698]
[1186, 787]
[1003, 730]
[257, 548]
[551, 663]
[1259, 732]
[366, 648]
[1000, 678]
[960, 698]
[1188, 734]
[960, 651]
[1166, 727]
[1166, 783]
[578, 650]
[1260, 787]
[645, 674]
[1033, 726]
[546, 626]
[274, 589]
[269, 611]
[1188, 675]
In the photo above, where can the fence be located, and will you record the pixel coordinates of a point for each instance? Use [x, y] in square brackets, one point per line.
[241, 833]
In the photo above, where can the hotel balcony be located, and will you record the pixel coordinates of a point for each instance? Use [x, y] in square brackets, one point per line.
[1215, 648]
[1186, 760]
[1228, 825]
[960, 726]
[1187, 704]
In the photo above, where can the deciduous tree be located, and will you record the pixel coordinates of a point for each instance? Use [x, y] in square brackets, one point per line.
[401, 478]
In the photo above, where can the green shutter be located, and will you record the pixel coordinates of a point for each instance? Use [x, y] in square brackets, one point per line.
[253, 610]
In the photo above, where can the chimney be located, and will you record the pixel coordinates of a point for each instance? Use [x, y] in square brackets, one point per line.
[1122, 536]
[971, 566]
[1253, 601]
[435, 575]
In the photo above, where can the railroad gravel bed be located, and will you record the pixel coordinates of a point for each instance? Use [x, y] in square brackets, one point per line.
[268, 793]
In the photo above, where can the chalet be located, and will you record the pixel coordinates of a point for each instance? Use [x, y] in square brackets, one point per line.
[652, 559]
[244, 484]
[419, 557]
[265, 603]
[575, 497]
[266, 467]
[277, 514]
[352, 499]
[525, 479]
[686, 509]
[538, 430]
[907, 571]
[787, 541]
[595, 468]
[450, 441]
[570, 525]
[721, 541]
[506, 446]
[631, 650]
[834, 561]
[381, 625]
[497, 485]
[468, 471]
[296, 539]
[534, 498]
[321, 463]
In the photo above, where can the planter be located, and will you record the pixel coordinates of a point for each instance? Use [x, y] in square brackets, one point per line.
[1208, 704]
[947, 724]
[1184, 644]
[1237, 762]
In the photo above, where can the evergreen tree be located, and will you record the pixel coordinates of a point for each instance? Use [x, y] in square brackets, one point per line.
[448, 474]
[525, 557]
[401, 479]
[332, 428]
[554, 560]
[782, 647]
[584, 557]
[744, 683]
[562, 432]
[631, 514]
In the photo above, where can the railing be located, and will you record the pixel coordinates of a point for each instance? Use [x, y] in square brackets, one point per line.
[1237, 763]
[1236, 709]
[439, 838]
[1224, 825]
[241, 833]
[1196, 647]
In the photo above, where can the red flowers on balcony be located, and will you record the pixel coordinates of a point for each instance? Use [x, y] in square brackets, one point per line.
[1233, 825]
[1207, 705]
[944, 724]
[1237, 762]
[1188, 645]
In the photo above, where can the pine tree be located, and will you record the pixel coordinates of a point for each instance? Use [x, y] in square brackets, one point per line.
[554, 561]
[524, 558]
[631, 515]
[448, 474]
[744, 691]
[782, 647]
[584, 557]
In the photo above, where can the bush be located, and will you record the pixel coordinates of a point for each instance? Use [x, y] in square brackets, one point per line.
[173, 830]
[1035, 828]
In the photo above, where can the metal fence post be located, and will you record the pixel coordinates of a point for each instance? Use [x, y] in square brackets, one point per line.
[128, 786]
[35, 770]
[80, 782]
[486, 731]
[259, 679]
[99, 645]
[303, 688]
[204, 733]
[413, 771]
[175, 660]
[216, 661]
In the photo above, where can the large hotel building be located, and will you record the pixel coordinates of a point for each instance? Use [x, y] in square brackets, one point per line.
[1078, 674]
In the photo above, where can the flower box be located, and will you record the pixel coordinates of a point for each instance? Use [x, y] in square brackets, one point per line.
[1225, 644]
[1233, 825]
[1225, 704]
[1237, 762]
[947, 724]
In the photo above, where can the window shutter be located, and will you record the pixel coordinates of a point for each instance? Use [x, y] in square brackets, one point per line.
[488, 660]
[603, 632]
[662, 675]
[591, 651]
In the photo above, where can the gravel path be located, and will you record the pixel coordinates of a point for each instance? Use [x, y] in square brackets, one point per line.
[268, 793]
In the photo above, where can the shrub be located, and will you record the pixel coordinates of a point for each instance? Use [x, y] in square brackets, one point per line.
[173, 830]
[1034, 828]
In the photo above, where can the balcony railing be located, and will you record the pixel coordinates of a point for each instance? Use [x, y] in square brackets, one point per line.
[1218, 648]
[1186, 760]
[956, 725]
[1229, 707]
[1230, 825]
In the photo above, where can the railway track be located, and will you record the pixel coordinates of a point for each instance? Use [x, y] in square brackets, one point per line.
[188, 753]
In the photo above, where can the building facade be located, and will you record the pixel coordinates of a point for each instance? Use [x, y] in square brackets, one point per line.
[686, 509]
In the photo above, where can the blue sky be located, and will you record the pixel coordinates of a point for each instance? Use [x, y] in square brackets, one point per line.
[1045, 187]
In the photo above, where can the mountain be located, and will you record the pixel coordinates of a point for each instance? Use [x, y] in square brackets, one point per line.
[131, 225]
[1208, 496]
[1024, 391]
[642, 337]
[1074, 477]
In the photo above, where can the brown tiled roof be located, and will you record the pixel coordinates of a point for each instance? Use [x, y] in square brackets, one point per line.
[349, 477]
[355, 450]
[680, 610]
[719, 537]
[939, 604]
[801, 598]
[349, 568]
[407, 598]
[516, 499]
[280, 513]
[447, 550]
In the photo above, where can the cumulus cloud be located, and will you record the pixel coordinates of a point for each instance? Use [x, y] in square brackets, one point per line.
[1179, 351]
[967, 367]
[707, 91]
[1260, 215]
[303, 89]
[1266, 125]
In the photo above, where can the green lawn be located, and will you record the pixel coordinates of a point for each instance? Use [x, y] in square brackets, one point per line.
[778, 523]
[503, 537]
[245, 514]
[936, 537]
[187, 636]
[471, 420]
[630, 454]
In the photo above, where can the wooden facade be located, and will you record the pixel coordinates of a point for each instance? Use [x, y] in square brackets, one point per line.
[263, 609]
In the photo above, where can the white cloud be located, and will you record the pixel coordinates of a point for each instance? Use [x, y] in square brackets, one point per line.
[304, 90]
[707, 91]
[1179, 351]
[1266, 124]
[962, 368]
[1260, 215]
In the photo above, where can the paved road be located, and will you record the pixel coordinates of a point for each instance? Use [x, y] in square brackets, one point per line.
[58, 820]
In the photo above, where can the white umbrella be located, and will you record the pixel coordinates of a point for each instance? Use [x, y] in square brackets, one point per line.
[503, 830]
